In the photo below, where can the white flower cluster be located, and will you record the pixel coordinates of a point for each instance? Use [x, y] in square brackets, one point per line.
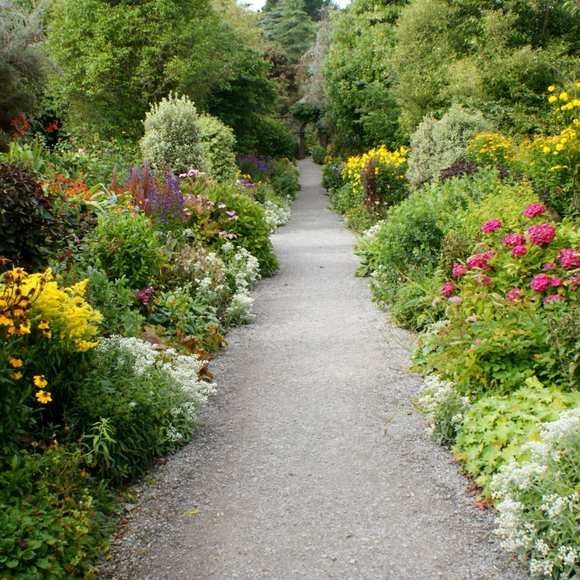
[276, 215]
[543, 490]
[240, 310]
[186, 391]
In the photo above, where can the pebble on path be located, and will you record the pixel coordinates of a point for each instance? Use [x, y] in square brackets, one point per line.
[311, 462]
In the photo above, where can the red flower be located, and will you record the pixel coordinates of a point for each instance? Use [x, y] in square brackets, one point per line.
[569, 258]
[448, 289]
[481, 260]
[534, 209]
[540, 282]
[514, 240]
[490, 226]
[541, 234]
[518, 251]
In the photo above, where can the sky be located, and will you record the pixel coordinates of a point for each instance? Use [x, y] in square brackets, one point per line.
[257, 4]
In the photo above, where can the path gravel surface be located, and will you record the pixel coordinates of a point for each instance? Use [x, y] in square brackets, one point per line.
[312, 462]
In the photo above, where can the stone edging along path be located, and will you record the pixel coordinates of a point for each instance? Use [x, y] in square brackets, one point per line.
[312, 462]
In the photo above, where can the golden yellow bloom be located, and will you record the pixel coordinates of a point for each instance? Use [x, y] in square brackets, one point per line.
[564, 96]
[40, 381]
[546, 150]
[47, 333]
[559, 147]
[553, 99]
[15, 362]
[43, 397]
[552, 88]
[43, 325]
[17, 375]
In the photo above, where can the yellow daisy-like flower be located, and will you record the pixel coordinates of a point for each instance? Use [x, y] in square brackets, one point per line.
[43, 397]
[16, 376]
[47, 333]
[559, 147]
[40, 381]
[546, 150]
[564, 96]
[43, 325]
[552, 88]
[553, 99]
[15, 362]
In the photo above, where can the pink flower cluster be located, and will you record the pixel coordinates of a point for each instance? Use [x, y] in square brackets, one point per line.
[490, 226]
[518, 251]
[481, 260]
[549, 266]
[541, 282]
[145, 294]
[534, 209]
[541, 234]
[448, 289]
[552, 298]
[459, 270]
[569, 258]
[514, 240]
[514, 294]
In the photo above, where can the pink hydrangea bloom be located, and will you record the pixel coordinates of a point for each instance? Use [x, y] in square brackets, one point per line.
[490, 226]
[534, 209]
[514, 240]
[459, 270]
[518, 251]
[514, 294]
[485, 280]
[540, 282]
[569, 258]
[448, 289]
[481, 260]
[555, 281]
[549, 266]
[552, 298]
[456, 299]
[541, 234]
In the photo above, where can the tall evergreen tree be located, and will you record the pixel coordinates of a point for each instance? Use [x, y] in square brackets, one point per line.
[294, 31]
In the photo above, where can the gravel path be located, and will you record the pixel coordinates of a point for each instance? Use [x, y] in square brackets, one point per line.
[311, 463]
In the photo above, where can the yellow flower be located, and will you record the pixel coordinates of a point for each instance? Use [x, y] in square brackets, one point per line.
[552, 88]
[40, 381]
[47, 333]
[564, 96]
[553, 99]
[43, 397]
[546, 150]
[16, 375]
[15, 362]
[559, 147]
[43, 325]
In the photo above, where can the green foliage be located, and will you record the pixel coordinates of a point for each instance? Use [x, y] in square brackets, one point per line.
[53, 520]
[218, 143]
[495, 427]
[318, 154]
[32, 224]
[332, 179]
[22, 65]
[173, 136]
[127, 245]
[358, 77]
[437, 145]
[268, 137]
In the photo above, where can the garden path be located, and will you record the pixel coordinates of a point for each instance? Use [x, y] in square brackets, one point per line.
[312, 463]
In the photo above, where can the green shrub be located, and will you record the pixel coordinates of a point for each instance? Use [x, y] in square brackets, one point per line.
[318, 154]
[173, 136]
[332, 179]
[127, 245]
[148, 397]
[218, 141]
[53, 521]
[268, 137]
[495, 427]
[32, 225]
[436, 145]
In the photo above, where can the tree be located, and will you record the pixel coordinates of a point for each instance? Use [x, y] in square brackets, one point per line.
[22, 65]
[293, 30]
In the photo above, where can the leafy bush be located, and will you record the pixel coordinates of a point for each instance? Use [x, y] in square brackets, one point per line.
[127, 245]
[218, 142]
[436, 145]
[539, 500]
[53, 518]
[332, 179]
[268, 136]
[173, 136]
[31, 222]
[148, 397]
[318, 154]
